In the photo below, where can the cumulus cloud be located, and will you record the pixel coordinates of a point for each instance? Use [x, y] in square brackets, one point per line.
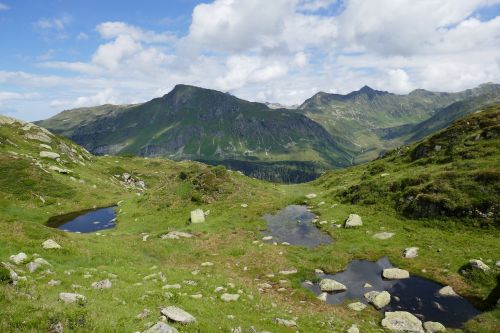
[281, 51]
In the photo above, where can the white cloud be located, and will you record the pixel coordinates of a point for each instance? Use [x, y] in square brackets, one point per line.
[3, 6]
[53, 27]
[82, 36]
[281, 51]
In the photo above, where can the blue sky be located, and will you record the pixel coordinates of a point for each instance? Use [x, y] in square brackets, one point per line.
[60, 54]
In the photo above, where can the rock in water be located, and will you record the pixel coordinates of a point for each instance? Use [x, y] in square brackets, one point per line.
[104, 284]
[395, 274]
[323, 297]
[447, 292]
[378, 299]
[478, 264]
[50, 244]
[71, 297]
[434, 327]
[178, 315]
[410, 252]
[229, 297]
[18, 258]
[49, 154]
[161, 327]
[402, 321]
[197, 216]
[330, 285]
[354, 220]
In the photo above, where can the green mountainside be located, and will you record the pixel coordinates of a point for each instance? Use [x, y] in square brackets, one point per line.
[202, 124]
[368, 122]
[440, 195]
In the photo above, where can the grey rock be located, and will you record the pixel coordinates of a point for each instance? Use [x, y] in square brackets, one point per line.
[354, 220]
[56, 328]
[229, 297]
[161, 327]
[434, 327]
[53, 283]
[395, 274]
[383, 235]
[286, 322]
[33, 266]
[447, 292]
[104, 284]
[71, 297]
[50, 244]
[357, 306]
[19, 258]
[49, 154]
[479, 265]
[176, 235]
[402, 321]
[410, 252]
[176, 314]
[353, 329]
[197, 216]
[311, 195]
[378, 299]
[330, 285]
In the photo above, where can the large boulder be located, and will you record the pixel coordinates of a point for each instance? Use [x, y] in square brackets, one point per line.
[395, 274]
[354, 220]
[434, 327]
[19, 258]
[197, 216]
[71, 297]
[479, 265]
[50, 244]
[402, 321]
[178, 315]
[330, 285]
[378, 299]
[161, 327]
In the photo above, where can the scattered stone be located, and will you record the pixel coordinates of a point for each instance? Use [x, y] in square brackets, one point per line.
[53, 283]
[207, 263]
[322, 297]
[196, 296]
[354, 220]
[229, 297]
[236, 330]
[402, 321]
[288, 271]
[172, 286]
[264, 286]
[497, 264]
[410, 252]
[286, 322]
[60, 170]
[32, 266]
[447, 292]
[104, 284]
[311, 195]
[353, 329]
[176, 235]
[49, 154]
[378, 299]
[357, 306]
[267, 238]
[19, 258]
[14, 278]
[197, 216]
[51, 244]
[42, 261]
[319, 271]
[395, 274]
[434, 327]
[383, 235]
[244, 205]
[330, 285]
[367, 285]
[478, 264]
[145, 238]
[178, 315]
[161, 327]
[71, 297]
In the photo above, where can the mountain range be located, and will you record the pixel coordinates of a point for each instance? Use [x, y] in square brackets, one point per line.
[268, 141]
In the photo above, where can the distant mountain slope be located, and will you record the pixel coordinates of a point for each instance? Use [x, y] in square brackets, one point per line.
[202, 124]
[368, 122]
[451, 174]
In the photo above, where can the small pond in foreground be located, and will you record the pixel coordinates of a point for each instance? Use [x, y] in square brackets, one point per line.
[416, 295]
[85, 221]
[293, 224]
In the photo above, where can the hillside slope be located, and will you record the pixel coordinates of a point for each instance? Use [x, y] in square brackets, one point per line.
[202, 124]
[451, 174]
[368, 122]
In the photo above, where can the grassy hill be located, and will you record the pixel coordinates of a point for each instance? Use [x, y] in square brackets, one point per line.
[202, 124]
[368, 122]
[34, 188]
